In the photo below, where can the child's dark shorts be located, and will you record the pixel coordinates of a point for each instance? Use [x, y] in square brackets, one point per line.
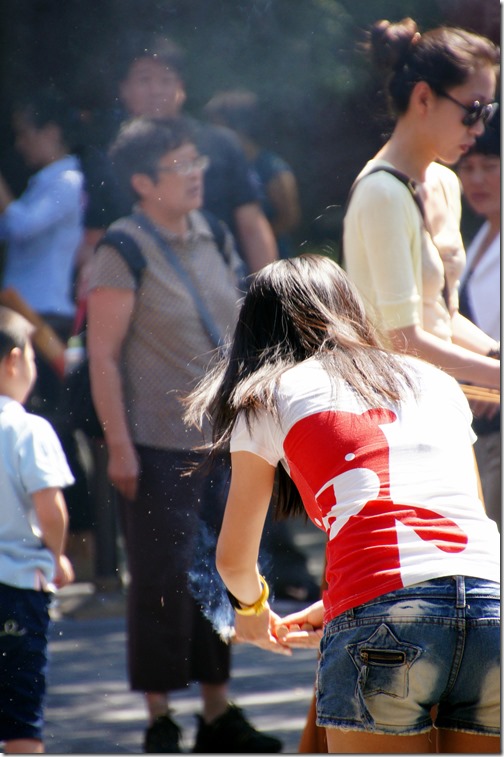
[24, 623]
[385, 663]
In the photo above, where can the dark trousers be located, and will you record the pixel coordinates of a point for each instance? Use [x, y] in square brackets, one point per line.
[170, 642]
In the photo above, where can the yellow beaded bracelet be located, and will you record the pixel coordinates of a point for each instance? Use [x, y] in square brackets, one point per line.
[259, 606]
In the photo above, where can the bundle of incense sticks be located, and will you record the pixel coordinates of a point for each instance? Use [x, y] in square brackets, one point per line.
[481, 393]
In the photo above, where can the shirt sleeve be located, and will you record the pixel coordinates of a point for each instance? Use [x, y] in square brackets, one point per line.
[28, 216]
[383, 249]
[42, 461]
[110, 270]
[262, 438]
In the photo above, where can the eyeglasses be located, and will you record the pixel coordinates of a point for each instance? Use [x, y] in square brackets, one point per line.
[474, 112]
[186, 167]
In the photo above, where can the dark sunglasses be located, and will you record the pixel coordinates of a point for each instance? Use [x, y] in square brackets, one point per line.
[474, 112]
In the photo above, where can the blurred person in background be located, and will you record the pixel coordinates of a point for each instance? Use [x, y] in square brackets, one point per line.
[148, 343]
[479, 171]
[150, 73]
[240, 111]
[149, 70]
[43, 229]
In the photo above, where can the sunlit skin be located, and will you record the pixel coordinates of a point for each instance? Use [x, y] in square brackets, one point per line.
[18, 373]
[27, 372]
[432, 128]
[455, 138]
[170, 196]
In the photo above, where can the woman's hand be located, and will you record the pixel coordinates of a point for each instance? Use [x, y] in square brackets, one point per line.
[303, 628]
[258, 630]
[124, 469]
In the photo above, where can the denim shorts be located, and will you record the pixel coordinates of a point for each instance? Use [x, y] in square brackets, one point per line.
[385, 663]
[24, 622]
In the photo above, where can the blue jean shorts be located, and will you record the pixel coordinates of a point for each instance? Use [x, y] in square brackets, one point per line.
[386, 663]
[24, 622]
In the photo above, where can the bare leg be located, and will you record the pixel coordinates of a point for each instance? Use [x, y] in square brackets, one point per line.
[24, 746]
[157, 704]
[356, 742]
[215, 700]
[456, 742]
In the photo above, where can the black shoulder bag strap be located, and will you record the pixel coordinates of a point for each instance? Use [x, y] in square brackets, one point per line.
[145, 224]
[402, 177]
[128, 249]
[217, 228]
[411, 185]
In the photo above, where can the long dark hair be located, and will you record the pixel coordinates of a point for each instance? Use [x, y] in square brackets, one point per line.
[295, 309]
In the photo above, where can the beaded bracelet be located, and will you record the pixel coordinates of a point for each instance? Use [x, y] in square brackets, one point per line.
[258, 607]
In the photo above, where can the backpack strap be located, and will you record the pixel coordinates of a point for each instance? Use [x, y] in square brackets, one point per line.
[217, 227]
[145, 223]
[128, 249]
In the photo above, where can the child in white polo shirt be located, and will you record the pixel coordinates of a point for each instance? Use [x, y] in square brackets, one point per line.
[33, 527]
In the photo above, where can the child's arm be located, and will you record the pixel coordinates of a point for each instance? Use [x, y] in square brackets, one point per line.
[52, 516]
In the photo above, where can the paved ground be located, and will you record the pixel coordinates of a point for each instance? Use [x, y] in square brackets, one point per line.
[90, 709]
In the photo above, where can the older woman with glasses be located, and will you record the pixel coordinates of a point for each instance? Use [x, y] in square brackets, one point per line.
[402, 242]
[163, 292]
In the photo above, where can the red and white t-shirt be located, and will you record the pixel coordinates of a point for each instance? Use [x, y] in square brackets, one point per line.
[393, 487]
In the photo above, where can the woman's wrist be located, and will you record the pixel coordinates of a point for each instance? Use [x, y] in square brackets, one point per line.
[258, 607]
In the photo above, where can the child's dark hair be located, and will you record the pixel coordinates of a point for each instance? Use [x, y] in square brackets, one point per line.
[444, 57]
[142, 142]
[15, 331]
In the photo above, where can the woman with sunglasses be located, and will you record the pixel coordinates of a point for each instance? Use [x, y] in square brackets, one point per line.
[402, 242]
[376, 447]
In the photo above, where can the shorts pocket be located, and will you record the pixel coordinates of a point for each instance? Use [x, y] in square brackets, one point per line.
[383, 663]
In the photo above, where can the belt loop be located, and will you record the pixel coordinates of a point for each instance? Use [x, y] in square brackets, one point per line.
[461, 598]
